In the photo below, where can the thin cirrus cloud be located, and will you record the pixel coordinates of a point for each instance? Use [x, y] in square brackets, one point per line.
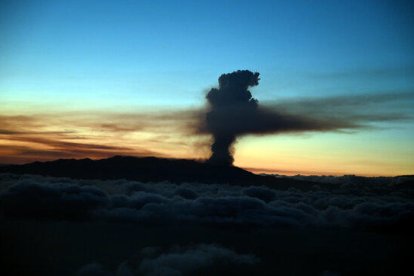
[98, 135]
[179, 133]
[25, 139]
[54, 148]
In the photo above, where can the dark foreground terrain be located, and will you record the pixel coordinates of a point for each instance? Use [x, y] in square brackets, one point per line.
[133, 216]
[100, 248]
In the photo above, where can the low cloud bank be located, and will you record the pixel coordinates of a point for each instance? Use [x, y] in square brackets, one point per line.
[207, 259]
[352, 205]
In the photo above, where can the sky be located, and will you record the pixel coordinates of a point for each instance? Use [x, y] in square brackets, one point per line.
[99, 78]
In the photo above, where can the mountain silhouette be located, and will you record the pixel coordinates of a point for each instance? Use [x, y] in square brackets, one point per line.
[151, 169]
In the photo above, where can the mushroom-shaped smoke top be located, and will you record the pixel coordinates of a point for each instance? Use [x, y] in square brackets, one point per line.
[230, 105]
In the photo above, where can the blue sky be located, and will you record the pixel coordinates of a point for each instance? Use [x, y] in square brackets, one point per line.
[164, 52]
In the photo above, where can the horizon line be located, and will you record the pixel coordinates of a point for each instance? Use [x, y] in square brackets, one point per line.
[254, 170]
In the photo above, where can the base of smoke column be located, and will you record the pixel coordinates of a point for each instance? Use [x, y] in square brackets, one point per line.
[224, 161]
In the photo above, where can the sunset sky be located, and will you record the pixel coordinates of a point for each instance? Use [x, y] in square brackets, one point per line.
[101, 78]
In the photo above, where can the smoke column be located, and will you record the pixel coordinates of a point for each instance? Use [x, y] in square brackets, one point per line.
[233, 112]
[229, 104]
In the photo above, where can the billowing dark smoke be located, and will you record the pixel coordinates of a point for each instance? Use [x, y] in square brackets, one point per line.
[230, 103]
[233, 112]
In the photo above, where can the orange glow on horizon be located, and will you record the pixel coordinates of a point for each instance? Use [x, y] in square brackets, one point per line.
[43, 137]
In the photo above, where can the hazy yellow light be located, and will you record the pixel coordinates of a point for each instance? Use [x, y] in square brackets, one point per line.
[324, 154]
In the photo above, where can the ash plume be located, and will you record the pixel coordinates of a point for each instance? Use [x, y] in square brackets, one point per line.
[233, 112]
[229, 103]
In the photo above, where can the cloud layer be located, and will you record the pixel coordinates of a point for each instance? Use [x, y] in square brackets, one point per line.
[353, 205]
[201, 259]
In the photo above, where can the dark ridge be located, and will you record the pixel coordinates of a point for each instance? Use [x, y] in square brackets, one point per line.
[151, 169]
